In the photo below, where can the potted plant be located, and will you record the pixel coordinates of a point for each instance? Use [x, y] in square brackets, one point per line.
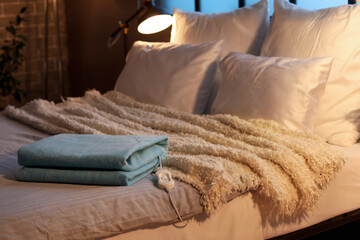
[11, 58]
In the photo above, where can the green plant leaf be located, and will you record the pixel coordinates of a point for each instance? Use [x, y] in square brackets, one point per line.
[18, 20]
[20, 45]
[23, 10]
[22, 37]
[5, 48]
[17, 96]
[11, 58]
[11, 30]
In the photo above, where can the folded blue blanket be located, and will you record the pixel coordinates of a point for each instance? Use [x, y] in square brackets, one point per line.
[91, 159]
[119, 152]
[88, 177]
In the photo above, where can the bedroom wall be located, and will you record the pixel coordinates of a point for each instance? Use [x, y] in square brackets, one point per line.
[85, 26]
[31, 73]
[92, 65]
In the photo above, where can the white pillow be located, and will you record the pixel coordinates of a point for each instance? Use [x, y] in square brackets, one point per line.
[301, 33]
[286, 90]
[172, 75]
[243, 29]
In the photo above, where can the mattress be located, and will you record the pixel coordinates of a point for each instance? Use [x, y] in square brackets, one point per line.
[238, 219]
[342, 195]
[42, 210]
[30, 210]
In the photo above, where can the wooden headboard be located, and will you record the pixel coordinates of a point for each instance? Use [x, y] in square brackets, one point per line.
[242, 3]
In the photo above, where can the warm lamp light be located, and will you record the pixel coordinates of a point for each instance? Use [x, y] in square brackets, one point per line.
[155, 24]
[152, 20]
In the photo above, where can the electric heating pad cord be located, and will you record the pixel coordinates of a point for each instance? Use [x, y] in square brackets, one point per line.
[166, 183]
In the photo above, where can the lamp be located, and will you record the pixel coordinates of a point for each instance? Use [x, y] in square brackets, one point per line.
[152, 20]
[61, 82]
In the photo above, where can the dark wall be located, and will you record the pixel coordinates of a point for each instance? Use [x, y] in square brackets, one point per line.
[92, 65]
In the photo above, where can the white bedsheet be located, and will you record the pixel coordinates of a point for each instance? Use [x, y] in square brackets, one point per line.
[239, 219]
[31, 210]
[341, 196]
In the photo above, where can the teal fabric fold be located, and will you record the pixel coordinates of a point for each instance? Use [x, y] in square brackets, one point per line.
[91, 159]
[88, 177]
[87, 151]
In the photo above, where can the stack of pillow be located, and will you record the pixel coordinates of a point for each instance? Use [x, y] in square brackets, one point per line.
[302, 70]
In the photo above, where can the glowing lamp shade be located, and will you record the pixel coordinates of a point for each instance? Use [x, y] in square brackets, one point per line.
[152, 19]
[155, 24]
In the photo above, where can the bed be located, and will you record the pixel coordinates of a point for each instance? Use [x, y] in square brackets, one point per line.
[32, 210]
[64, 202]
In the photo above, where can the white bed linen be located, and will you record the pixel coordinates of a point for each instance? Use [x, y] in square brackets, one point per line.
[239, 219]
[31, 210]
[341, 196]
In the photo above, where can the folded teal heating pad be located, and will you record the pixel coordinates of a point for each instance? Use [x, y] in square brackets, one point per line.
[91, 159]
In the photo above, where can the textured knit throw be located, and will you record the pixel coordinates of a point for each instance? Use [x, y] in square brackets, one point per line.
[217, 154]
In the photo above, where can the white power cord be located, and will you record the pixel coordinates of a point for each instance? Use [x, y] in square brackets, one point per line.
[166, 183]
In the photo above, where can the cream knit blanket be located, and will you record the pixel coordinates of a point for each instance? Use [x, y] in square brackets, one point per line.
[217, 154]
